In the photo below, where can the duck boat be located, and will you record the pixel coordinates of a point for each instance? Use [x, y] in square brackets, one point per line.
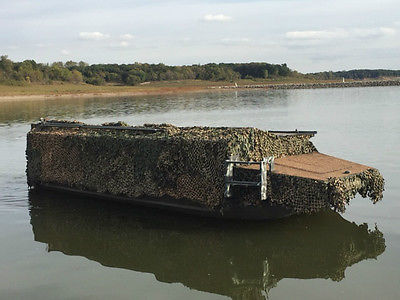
[226, 172]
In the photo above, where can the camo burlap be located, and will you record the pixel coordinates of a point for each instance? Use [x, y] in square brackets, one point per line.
[178, 162]
[305, 195]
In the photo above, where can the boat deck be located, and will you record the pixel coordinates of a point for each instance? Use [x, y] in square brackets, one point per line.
[314, 165]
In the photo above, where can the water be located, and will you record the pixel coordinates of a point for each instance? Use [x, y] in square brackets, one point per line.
[55, 246]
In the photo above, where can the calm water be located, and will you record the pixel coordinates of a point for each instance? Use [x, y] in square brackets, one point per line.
[54, 246]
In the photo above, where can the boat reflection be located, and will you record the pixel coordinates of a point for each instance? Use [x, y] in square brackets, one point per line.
[236, 259]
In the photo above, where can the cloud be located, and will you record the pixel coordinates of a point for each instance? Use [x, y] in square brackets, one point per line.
[65, 52]
[340, 33]
[216, 18]
[374, 32]
[388, 31]
[96, 36]
[315, 35]
[121, 44]
[127, 36]
[235, 40]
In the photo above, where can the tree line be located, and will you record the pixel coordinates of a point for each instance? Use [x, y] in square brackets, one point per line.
[29, 71]
[131, 74]
[356, 74]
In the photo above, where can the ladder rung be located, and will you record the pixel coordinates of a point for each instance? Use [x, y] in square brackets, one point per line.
[236, 162]
[229, 182]
[244, 183]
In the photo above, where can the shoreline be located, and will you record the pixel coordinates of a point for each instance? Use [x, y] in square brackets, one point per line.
[316, 85]
[160, 91]
[195, 89]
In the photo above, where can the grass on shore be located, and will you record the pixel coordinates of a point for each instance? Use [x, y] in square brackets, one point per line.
[62, 88]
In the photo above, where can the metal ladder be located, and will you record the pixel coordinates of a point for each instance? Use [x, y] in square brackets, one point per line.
[229, 182]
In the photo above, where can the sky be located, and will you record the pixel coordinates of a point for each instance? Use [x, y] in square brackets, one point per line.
[308, 35]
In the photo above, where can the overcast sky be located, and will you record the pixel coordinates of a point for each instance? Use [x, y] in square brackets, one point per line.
[308, 35]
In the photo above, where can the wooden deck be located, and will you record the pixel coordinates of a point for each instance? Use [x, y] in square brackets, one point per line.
[315, 165]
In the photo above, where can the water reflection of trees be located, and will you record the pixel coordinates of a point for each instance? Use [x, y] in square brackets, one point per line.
[28, 111]
[236, 259]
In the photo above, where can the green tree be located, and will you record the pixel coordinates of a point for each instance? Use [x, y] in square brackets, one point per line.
[70, 64]
[82, 64]
[57, 72]
[76, 76]
[28, 69]
[96, 80]
[6, 64]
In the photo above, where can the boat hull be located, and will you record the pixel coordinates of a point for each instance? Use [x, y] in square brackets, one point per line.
[229, 211]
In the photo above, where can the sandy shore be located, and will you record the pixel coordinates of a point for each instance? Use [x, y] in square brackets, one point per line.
[159, 91]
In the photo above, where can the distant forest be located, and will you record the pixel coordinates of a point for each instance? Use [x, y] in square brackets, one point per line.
[29, 71]
[355, 74]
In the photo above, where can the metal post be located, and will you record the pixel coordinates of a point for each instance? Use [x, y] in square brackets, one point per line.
[228, 179]
[263, 171]
[271, 163]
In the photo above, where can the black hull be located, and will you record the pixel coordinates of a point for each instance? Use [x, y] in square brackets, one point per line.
[265, 212]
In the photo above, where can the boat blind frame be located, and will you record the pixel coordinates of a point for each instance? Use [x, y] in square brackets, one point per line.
[151, 130]
[293, 132]
[68, 125]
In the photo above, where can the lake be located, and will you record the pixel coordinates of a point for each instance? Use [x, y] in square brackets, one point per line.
[57, 246]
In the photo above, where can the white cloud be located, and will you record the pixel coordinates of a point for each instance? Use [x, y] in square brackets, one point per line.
[65, 52]
[235, 40]
[96, 36]
[388, 31]
[316, 35]
[121, 44]
[374, 32]
[127, 36]
[340, 33]
[216, 18]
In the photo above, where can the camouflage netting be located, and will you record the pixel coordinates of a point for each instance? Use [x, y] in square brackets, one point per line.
[369, 183]
[177, 162]
[305, 195]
